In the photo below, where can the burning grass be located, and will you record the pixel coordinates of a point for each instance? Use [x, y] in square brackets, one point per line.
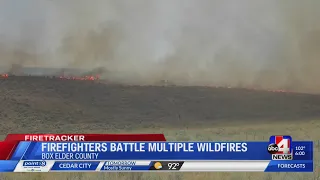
[98, 77]
[80, 78]
[4, 75]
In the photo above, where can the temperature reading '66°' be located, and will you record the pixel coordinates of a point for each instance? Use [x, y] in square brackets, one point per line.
[300, 148]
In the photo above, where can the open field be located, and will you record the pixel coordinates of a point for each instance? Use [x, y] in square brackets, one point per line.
[39, 105]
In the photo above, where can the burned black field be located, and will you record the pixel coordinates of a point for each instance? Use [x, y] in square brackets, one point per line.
[39, 101]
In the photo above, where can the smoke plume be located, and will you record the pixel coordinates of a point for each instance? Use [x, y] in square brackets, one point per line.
[258, 43]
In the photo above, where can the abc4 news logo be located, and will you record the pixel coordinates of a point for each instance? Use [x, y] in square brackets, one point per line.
[274, 150]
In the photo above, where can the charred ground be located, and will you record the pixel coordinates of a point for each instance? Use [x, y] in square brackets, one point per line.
[38, 103]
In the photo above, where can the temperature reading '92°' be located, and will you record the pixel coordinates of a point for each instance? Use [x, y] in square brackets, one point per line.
[173, 166]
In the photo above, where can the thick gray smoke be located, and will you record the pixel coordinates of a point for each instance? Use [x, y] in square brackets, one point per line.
[265, 43]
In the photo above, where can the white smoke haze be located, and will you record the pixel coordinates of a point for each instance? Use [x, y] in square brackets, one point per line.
[264, 43]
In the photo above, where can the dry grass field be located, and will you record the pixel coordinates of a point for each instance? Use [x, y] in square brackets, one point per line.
[40, 105]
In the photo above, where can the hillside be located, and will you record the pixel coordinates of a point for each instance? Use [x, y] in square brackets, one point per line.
[38, 104]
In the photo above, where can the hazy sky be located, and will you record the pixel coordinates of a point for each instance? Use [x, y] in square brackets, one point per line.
[190, 41]
[158, 26]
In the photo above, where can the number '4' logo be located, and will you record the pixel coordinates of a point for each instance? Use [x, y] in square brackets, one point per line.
[284, 146]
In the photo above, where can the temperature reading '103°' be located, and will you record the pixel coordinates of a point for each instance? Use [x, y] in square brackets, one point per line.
[300, 148]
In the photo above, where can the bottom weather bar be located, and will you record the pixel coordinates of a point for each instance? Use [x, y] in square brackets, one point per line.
[131, 165]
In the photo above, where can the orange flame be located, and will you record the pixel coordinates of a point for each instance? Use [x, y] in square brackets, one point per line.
[4, 75]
